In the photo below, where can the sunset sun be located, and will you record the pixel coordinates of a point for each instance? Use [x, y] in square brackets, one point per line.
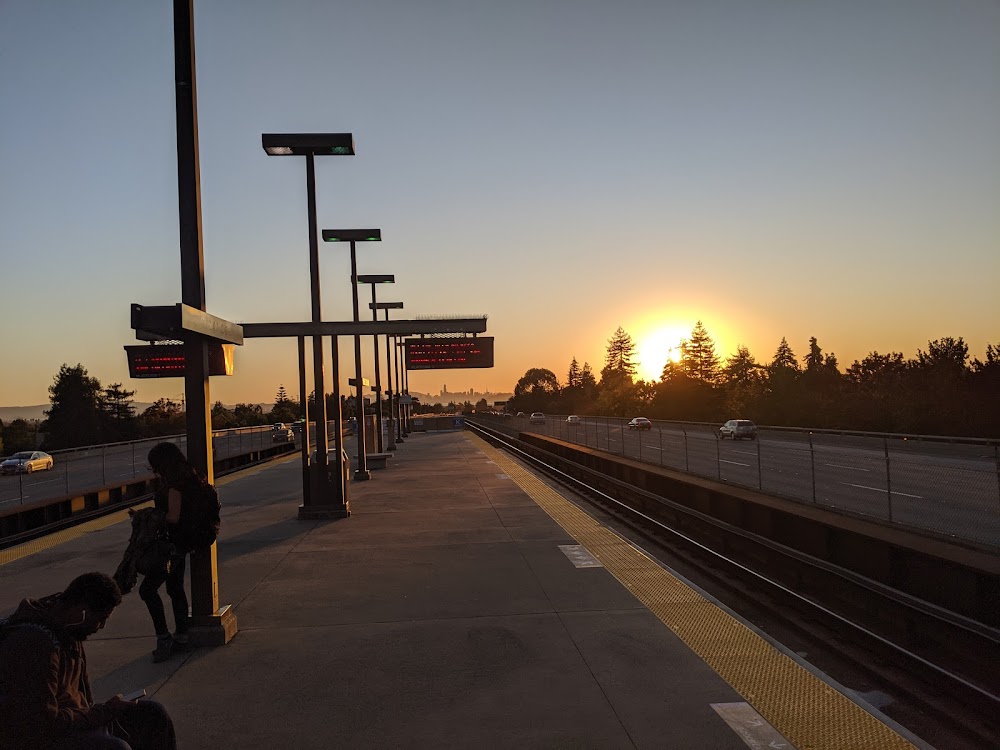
[655, 347]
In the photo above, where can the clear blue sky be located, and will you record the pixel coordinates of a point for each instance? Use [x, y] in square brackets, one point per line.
[815, 168]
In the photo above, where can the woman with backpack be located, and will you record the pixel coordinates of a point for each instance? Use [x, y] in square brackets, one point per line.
[184, 494]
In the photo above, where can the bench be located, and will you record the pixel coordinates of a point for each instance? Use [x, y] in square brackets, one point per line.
[377, 460]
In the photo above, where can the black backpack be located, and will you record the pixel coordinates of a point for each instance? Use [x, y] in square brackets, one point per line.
[200, 518]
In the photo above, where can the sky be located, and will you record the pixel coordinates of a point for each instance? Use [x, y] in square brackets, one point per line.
[565, 167]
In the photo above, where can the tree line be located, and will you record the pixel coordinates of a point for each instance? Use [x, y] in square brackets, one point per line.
[940, 391]
[84, 412]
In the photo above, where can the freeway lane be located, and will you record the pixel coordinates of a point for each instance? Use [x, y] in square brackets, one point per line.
[952, 489]
[100, 466]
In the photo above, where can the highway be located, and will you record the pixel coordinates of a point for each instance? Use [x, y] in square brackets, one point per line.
[88, 469]
[949, 488]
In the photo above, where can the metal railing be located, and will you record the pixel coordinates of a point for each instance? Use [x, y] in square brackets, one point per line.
[950, 486]
[86, 468]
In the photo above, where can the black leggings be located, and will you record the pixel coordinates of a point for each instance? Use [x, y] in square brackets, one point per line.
[149, 592]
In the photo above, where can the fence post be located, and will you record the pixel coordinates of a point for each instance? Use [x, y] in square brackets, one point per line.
[760, 478]
[888, 476]
[718, 456]
[812, 465]
[996, 461]
[607, 425]
[687, 462]
[133, 459]
[638, 435]
[104, 464]
[661, 444]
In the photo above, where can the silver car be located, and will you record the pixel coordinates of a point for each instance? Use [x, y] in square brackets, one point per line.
[737, 429]
[26, 462]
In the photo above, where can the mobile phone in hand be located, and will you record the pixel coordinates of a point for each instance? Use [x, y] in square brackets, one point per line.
[140, 693]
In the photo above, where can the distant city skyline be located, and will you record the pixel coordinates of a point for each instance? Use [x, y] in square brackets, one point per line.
[773, 170]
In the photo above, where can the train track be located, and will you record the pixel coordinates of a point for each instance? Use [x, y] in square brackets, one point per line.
[937, 668]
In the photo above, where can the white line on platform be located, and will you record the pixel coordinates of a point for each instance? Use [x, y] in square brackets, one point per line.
[737, 463]
[841, 466]
[879, 489]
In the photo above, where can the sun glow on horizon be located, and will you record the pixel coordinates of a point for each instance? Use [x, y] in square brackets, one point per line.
[656, 346]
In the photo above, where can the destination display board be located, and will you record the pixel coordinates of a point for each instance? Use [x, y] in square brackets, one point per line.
[167, 360]
[449, 353]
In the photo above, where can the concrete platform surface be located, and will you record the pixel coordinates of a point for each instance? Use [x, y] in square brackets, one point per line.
[444, 613]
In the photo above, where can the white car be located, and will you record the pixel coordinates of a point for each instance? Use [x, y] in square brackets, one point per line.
[26, 462]
[573, 420]
[536, 418]
[737, 429]
[640, 423]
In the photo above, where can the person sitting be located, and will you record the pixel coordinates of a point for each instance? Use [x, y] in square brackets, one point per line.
[46, 700]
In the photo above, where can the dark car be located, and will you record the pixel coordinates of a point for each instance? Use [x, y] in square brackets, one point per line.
[282, 433]
[640, 423]
[737, 429]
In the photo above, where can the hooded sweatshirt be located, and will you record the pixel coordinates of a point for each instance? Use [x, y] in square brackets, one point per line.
[44, 689]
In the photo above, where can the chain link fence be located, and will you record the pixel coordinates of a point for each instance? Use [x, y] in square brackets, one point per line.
[949, 486]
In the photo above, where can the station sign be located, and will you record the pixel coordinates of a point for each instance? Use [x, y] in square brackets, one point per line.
[168, 360]
[449, 353]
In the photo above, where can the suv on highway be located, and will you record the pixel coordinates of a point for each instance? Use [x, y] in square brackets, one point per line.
[737, 429]
[282, 433]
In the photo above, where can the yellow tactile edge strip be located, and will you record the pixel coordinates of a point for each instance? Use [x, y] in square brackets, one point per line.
[808, 712]
[75, 532]
[61, 537]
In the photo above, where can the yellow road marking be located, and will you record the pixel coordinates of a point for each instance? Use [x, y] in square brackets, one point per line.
[809, 713]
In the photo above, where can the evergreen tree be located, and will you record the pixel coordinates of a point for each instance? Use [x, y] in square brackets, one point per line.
[741, 368]
[620, 357]
[118, 421]
[19, 435]
[698, 358]
[573, 377]
[784, 359]
[74, 418]
[814, 359]
[287, 410]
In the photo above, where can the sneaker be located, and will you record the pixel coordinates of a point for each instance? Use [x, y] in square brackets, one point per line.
[164, 648]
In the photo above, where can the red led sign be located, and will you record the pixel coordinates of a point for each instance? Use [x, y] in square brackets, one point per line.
[449, 354]
[167, 360]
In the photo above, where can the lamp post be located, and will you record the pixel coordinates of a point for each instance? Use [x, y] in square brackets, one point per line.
[353, 236]
[375, 279]
[328, 497]
[387, 306]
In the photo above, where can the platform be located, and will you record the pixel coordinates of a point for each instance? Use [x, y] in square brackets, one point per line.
[464, 604]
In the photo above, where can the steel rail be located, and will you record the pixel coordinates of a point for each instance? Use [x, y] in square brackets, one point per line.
[898, 648]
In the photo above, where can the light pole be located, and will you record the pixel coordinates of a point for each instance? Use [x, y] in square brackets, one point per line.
[375, 279]
[353, 236]
[387, 306]
[328, 497]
